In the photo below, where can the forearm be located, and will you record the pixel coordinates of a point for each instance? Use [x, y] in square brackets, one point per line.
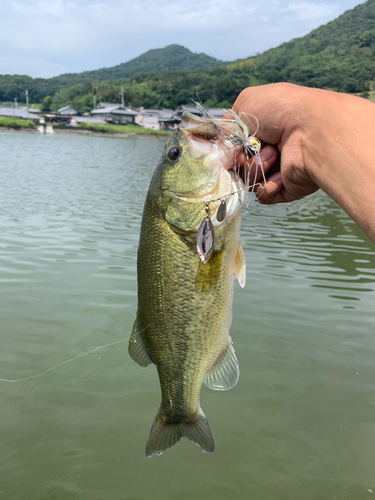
[338, 143]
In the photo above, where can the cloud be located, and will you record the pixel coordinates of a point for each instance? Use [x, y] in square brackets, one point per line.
[30, 66]
[41, 8]
[307, 11]
[78, 35]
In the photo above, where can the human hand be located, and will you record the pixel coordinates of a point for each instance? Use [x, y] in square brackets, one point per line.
[281, 111]
[314, 138]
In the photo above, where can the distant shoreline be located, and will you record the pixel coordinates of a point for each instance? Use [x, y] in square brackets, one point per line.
[78, 131]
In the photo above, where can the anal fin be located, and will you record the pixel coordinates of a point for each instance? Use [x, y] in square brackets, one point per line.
[137, 348]
[224, 374]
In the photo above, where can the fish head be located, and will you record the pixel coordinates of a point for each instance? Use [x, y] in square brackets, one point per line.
[196, 167]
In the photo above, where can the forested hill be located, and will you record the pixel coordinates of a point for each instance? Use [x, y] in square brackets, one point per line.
[339, 55]
[170, 58]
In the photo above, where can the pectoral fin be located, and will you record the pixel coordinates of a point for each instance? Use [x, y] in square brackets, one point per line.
[225, 372]
[240, 266]
[137, 348]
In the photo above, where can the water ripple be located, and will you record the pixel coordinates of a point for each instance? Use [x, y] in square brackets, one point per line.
[299, 420]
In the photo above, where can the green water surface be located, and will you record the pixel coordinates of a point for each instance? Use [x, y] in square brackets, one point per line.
[299, 425]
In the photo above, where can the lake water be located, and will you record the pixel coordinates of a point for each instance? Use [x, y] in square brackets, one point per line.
[300, 424]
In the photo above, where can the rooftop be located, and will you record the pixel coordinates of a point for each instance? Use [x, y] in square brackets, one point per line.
[67, 110]
[128, 112]
[114, 109]
[18, 112]
[88, 119]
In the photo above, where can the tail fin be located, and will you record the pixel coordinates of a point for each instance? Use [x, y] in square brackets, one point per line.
[164, 434]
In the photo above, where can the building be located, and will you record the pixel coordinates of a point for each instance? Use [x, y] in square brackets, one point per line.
[215, 112]
[67, 111]
[102, 105]
[148, 118]
[104, 110]
[19, 112]
[190, 109]
[169, 119]
[122, 116]
[114, 113]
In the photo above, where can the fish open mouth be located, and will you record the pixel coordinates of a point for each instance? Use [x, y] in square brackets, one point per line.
[198, 127]
[201, 133]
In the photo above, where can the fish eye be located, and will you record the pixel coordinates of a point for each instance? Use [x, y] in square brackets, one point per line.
[174, 153]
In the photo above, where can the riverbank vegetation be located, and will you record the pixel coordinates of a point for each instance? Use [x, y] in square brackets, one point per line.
[16, 123]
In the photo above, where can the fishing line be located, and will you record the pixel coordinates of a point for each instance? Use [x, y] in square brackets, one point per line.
[69, 360]
[235, 192]
[235, 132]
[63, 362]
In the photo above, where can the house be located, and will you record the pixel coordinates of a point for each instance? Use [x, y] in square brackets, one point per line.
[104, 110]
[148, 118]
[114, 113]
[158, 119]
[67, 111]
[168, 119]
[215, 112]
[123, 116]
[102, 105]
[190, 109]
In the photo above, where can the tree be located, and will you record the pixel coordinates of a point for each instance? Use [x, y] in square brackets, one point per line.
[46, 105]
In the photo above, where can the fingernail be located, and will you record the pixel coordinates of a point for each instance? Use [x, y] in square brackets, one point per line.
[275, 177]
[267, 153]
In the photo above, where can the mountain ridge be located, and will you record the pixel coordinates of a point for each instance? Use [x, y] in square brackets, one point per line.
[173, 57]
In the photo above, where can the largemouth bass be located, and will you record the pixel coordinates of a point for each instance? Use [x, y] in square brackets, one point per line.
[184, 300]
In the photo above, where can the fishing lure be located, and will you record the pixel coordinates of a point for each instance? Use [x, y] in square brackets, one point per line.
[235, 134]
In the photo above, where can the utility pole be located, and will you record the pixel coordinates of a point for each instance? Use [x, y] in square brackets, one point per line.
[27, 102]
[122, 97]
[15, 105]
[94, 97]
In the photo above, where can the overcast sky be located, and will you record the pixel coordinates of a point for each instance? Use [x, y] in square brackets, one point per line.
[44, 38]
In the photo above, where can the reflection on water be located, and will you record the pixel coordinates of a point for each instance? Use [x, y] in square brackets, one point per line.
[314, 237]
[299, 424]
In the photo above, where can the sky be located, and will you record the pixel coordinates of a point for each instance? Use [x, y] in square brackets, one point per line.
[45, 38]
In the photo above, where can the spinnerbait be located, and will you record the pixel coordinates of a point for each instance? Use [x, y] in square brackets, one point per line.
[206, 232]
